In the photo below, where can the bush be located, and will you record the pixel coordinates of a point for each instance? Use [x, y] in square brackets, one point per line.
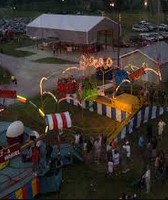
[4, 76]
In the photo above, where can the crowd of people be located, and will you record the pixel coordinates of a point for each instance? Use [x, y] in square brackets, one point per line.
[119, 159]
[96, 149]
[151, 95]
[44, 158]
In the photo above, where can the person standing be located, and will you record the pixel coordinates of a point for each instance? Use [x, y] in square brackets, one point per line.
[147, 178]
[151, 95]
[149, 131]
[89, 147]
[110, 166]
[161, 126]
[14, 80]
[49, 150]
[141, 143]
[97, 150]
[42, 149]
[163, 96]
[77, 139]
[127, 149]
[116, 161]
[35, 159]
[58, 163]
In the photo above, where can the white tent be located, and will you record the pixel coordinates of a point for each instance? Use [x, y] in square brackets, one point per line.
[77, 29]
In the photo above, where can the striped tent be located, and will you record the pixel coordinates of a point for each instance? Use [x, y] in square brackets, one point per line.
[58, 121]
[141, 117]
[99, 108]
[27, 191]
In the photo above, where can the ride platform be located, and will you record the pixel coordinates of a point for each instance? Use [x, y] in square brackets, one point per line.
[125, 102]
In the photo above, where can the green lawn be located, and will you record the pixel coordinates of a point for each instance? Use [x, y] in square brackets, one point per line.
[5, 77]
[10, 46]
[79, 176]
[52, 60]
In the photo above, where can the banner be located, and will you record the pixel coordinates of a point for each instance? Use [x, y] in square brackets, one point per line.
[137, 73]
[9, 152]
[11, 94]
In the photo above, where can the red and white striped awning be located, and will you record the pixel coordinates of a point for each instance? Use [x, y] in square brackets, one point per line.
[58, 121]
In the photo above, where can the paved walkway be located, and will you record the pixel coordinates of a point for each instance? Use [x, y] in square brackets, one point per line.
[29, 73]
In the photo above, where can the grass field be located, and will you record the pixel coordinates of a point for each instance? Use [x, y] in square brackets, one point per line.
[10, 47]
[52, 60]
[79, 177]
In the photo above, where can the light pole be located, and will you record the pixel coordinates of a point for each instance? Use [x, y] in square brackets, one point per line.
[112, 4]
[146, 6]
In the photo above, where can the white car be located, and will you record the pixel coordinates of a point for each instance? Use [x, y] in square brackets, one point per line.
[139, 28]
[163, 27]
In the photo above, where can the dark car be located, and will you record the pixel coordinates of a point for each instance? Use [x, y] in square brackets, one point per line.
[135, 38]
[122, 44]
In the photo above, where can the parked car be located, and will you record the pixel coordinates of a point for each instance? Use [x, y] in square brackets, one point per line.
[164, 34]
[135, 38]
[157, 36]
[123, 44]
[147, 37]
[139, 28]
[163, 27]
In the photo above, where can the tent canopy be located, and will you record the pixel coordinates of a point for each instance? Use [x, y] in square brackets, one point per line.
[79, 29]
[66, 22]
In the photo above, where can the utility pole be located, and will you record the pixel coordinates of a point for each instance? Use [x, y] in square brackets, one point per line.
[116, 5]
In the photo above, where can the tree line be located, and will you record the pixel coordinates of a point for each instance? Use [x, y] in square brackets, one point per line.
[92, 5]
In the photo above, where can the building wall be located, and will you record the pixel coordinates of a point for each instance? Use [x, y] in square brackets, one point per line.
[104, 25]
[137, 59]
[164, 72]
[75, 37]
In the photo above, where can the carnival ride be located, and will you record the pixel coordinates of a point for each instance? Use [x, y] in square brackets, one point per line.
[126, 104]
[82, 91]
[16, 175]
